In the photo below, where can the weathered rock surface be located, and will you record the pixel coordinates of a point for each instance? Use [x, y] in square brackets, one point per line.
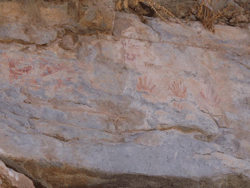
[235, 13]
[183, 8]
[151, 105]
[10, 178]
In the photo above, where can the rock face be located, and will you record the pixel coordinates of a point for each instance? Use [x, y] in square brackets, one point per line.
[133, 105]
[183, 8]
[10, 178]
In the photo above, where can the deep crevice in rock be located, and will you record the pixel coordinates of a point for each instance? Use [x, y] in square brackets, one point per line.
[38, 184]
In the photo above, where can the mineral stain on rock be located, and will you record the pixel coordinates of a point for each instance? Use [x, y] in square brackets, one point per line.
[121, 117]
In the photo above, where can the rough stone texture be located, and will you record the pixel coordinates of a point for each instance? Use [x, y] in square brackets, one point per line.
[39, 22]
[10, 178]
[237, 14]
[182, 8]
[151, 105]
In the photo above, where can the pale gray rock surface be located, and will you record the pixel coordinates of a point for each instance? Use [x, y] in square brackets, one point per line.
[152, 105]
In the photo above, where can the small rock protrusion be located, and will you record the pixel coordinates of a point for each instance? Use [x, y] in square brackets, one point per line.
[68, 42]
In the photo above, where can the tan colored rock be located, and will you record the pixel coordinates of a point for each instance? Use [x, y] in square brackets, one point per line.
[55, 15]
[10, 178]
[10, 12]
[68, 42]
[26, 20]
[96, 15]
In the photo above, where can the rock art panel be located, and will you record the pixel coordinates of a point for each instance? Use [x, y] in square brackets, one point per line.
[164, 104]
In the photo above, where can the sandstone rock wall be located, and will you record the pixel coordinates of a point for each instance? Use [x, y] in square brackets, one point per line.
[95, 98]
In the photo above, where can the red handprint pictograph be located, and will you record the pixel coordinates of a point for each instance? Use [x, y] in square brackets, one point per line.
[130, 57]
[15, 69]
[48, 69]
[59, 84]
[178, 106]
[211, 97]
[178, 89]
[131, 50]
[144, 85]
